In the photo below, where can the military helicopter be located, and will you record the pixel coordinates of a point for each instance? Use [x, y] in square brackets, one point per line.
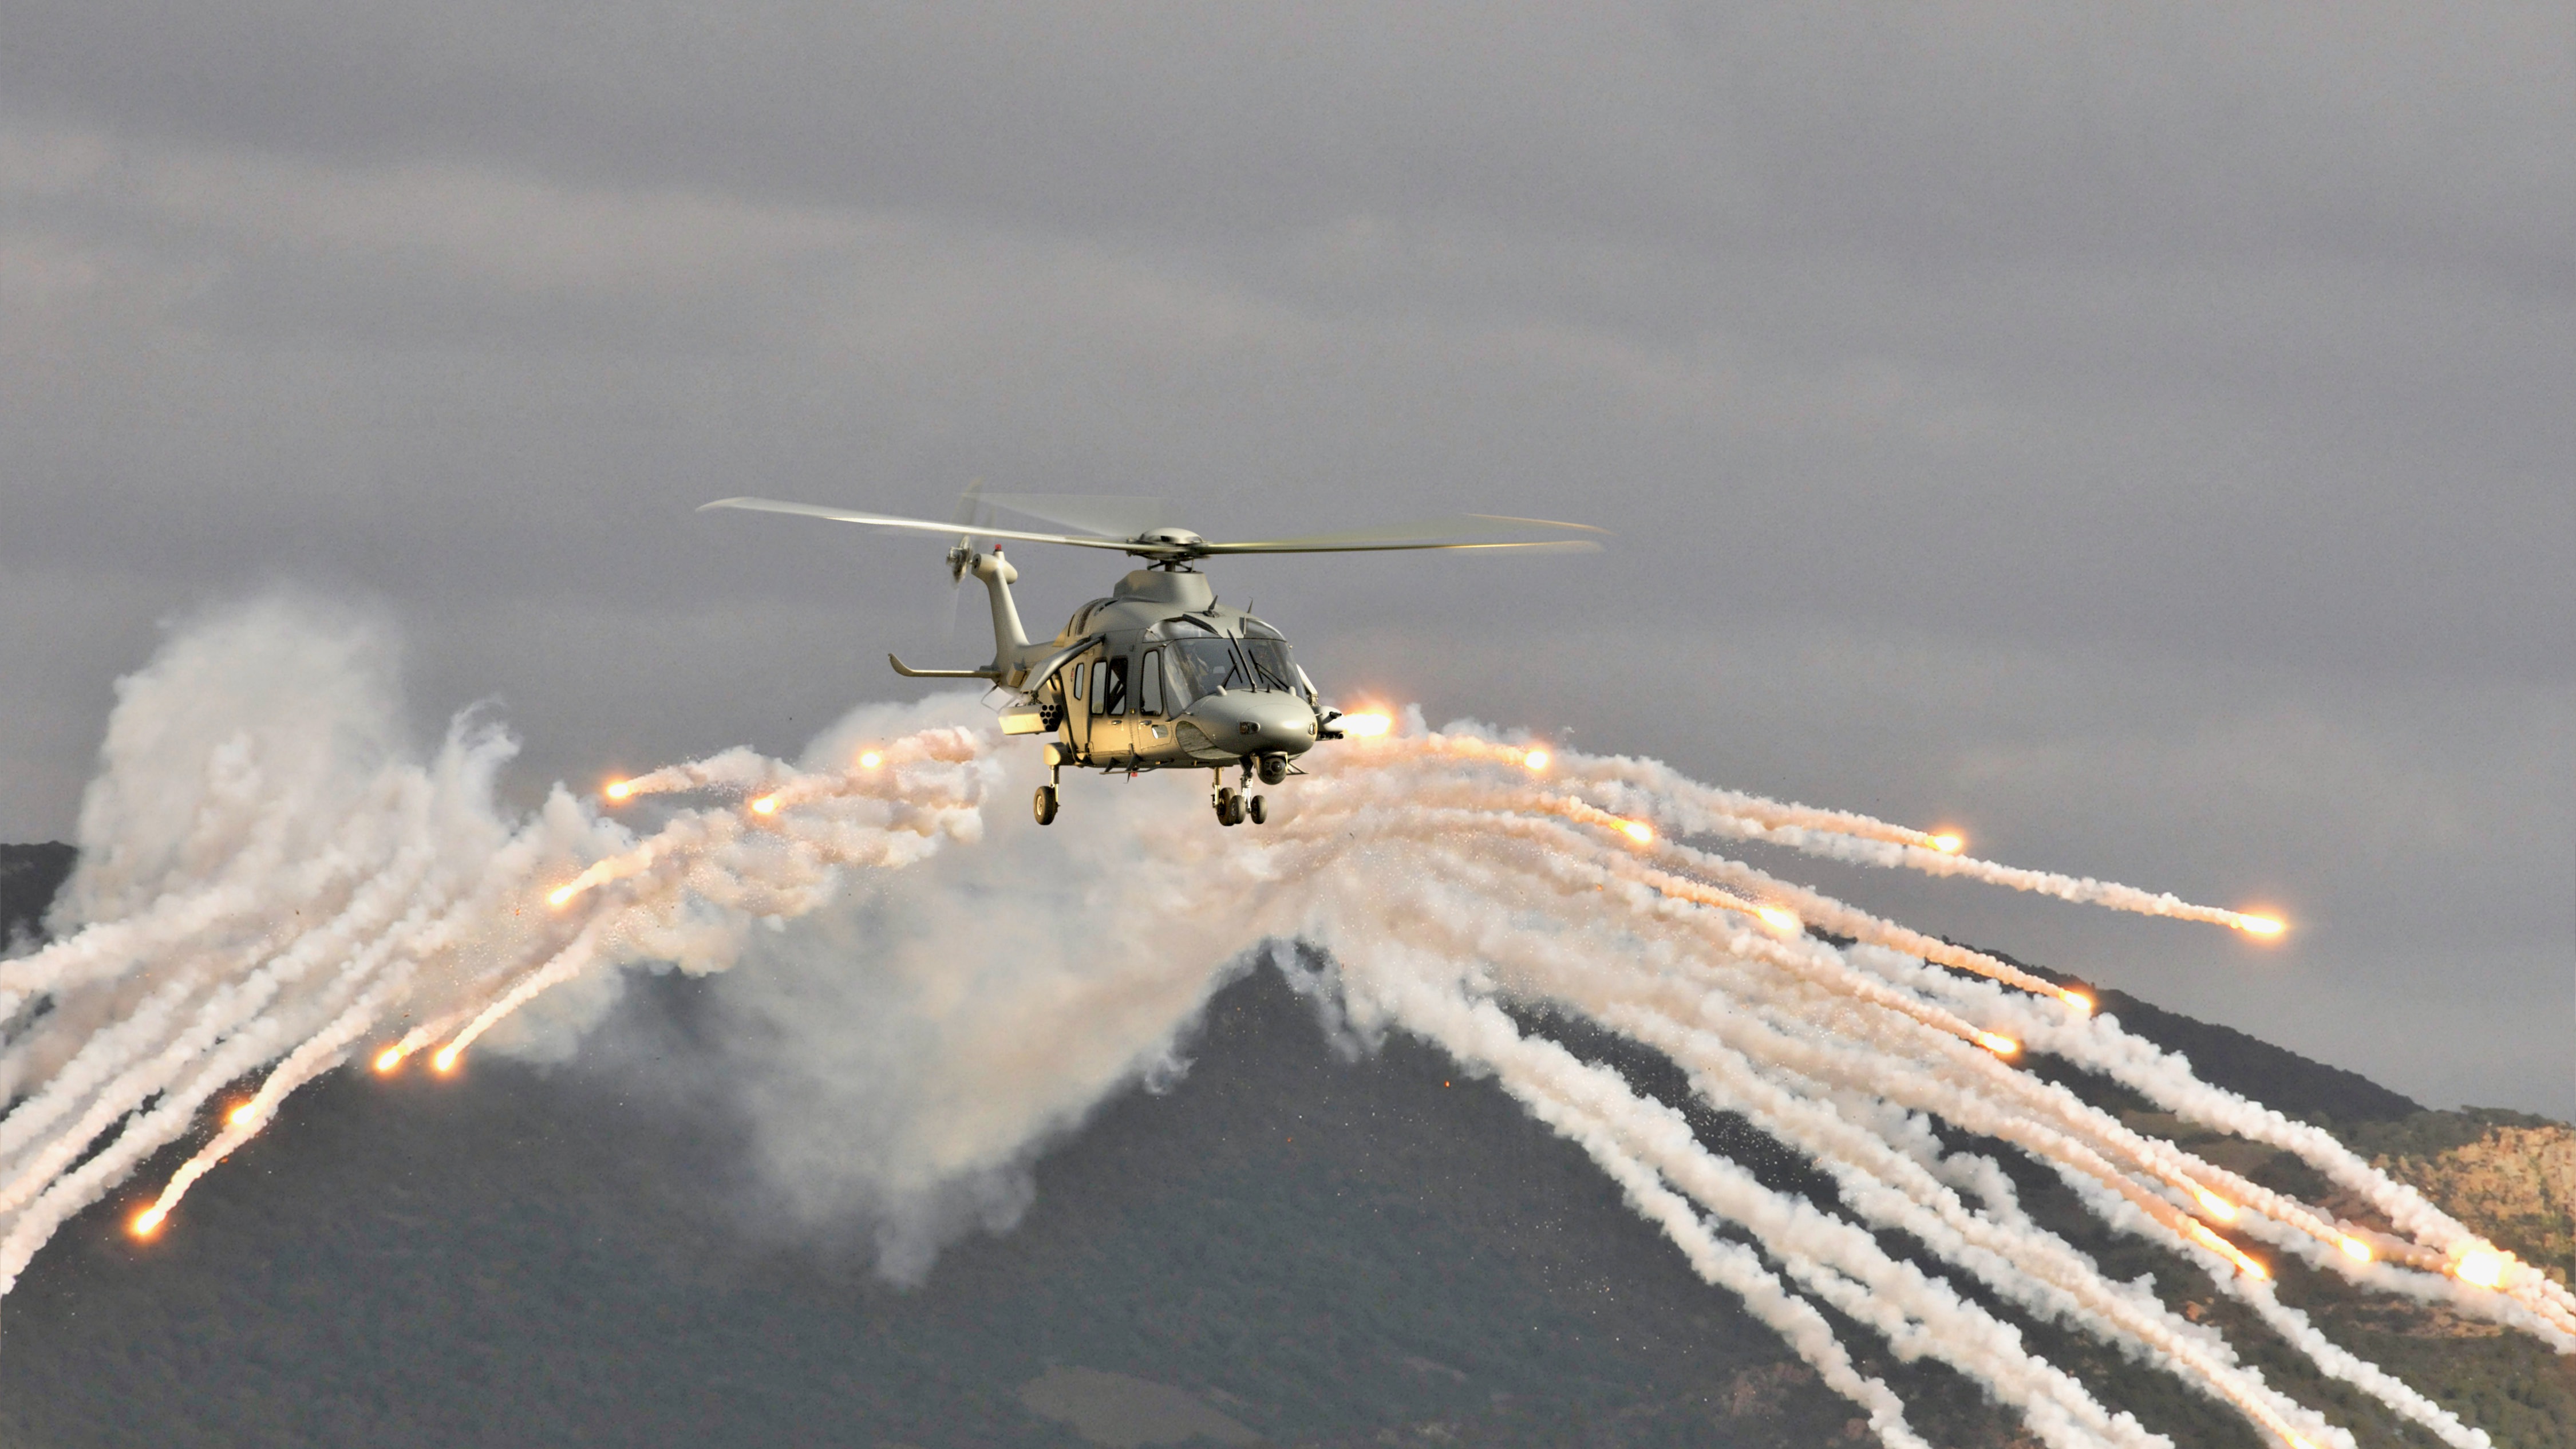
[1158, 676]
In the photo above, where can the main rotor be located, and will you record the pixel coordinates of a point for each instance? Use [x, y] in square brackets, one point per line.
[1170, 547]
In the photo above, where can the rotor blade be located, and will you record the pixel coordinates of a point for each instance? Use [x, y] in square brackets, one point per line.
[948, 623]
[969, 508]
[1420, 533]
[880, 520]
[1290, 545]
[1102, 513]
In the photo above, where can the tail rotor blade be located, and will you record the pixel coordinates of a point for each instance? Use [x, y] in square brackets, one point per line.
[970, 505]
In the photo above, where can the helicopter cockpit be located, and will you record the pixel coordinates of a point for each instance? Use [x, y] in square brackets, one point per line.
[1204, 661]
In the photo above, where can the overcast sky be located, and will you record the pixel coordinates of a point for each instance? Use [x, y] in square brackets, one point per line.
[2138, 436]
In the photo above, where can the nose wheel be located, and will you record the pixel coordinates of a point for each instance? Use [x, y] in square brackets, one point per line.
[1044, 806]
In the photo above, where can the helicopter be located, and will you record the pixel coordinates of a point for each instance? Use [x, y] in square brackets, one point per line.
[1158, 675]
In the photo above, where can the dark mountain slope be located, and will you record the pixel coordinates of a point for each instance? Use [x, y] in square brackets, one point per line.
[29, 877]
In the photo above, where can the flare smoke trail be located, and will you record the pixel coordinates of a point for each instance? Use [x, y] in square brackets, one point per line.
[272, 885]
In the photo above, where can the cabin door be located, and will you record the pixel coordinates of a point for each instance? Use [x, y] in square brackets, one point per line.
[1102, 710]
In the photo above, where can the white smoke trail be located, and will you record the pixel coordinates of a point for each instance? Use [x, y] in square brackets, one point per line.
[1682, 806]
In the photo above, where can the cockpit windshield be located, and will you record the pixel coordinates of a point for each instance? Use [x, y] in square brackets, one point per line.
[1270, 666]
[1205, 665]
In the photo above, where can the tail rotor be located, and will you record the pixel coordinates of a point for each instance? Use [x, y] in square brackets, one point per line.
[970, 505]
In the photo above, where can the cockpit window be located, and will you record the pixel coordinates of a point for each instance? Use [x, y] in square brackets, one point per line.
[1204, 666]
[1271, 668]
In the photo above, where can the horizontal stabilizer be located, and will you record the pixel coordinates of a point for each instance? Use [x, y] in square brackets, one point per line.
[908, 672]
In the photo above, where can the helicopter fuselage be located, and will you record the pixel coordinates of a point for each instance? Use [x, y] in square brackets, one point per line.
[1157, 676]
[1166, 676]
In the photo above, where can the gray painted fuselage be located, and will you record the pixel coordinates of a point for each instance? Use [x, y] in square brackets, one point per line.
[1158, 675]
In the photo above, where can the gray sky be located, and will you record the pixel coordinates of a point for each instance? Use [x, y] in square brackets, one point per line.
[2140, 436]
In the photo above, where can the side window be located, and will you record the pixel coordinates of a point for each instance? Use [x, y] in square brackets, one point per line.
[1149, 683]
[1113, 696]
[1077, 672]
[1099, 699]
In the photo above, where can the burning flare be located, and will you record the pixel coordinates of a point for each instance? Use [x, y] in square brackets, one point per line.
[2260, 925]
[1638, 831]
[870, 760]
[2482, 1267]
[1949, 842]
[2000, 1045]
[2201, 1234]
[619, 789]
[1784, 921]
[765, 805]
[1535, 759]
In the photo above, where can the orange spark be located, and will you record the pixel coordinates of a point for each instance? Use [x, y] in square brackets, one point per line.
[2481, 1266]
[2201, 1234]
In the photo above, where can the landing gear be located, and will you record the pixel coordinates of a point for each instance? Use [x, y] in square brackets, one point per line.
[1233, 806]
[1044, 805]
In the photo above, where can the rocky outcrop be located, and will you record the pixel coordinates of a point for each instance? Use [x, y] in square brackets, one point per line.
[2515, 1182]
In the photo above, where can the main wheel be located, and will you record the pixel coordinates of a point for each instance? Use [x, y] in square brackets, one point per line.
[1229, 808]
[1044, 805]
[1259, 815]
